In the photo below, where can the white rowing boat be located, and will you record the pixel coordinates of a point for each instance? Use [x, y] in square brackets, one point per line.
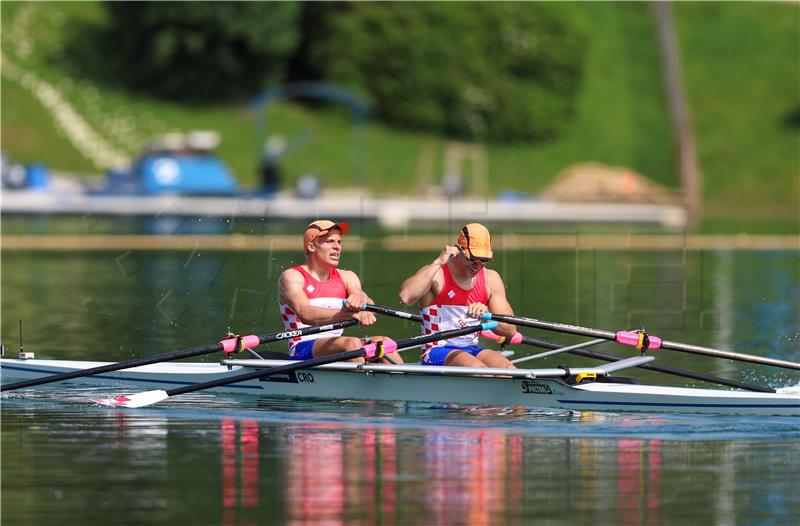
[531, 388]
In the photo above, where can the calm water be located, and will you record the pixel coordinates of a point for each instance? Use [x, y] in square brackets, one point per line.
[204, 459]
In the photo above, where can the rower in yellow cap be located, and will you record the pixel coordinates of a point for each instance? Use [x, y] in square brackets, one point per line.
[454, 291]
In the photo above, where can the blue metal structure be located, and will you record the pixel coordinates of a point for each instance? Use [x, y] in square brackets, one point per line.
[315, 90]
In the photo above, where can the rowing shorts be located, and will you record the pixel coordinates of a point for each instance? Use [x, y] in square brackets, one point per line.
[437, 355]
[303, 350]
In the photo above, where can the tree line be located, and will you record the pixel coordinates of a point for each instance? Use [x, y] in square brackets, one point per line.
[492, 71]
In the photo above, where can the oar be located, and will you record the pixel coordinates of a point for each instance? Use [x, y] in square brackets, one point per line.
[409, 316]
[546, 344]
[373, 350]
[557, 348]
[392, 312]
[639, 339]
[228, 345]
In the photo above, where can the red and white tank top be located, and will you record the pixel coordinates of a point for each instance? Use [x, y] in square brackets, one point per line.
[328, 294]
[449, 310]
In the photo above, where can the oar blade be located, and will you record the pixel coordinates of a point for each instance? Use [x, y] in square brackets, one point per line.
[134, 400]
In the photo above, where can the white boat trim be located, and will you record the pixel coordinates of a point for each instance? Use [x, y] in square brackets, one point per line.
[411, 368]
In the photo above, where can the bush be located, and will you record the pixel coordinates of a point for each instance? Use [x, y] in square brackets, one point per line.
[497, 71]
[204, 51]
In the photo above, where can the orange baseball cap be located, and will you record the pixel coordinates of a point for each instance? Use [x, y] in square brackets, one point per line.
[321, 227]
[475, 239]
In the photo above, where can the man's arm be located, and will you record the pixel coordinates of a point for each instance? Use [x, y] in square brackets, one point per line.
[290, 287]
[498, 303]
[356, 297]
[421, 285]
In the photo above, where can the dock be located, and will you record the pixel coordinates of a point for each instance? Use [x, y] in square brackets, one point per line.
[389, 212]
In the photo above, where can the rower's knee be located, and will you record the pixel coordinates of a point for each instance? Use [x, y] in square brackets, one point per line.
[338, 345]
[495, 360]
[351, 343]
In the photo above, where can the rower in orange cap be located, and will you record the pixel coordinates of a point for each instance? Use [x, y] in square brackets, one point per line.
[454, 291]
[318, 292]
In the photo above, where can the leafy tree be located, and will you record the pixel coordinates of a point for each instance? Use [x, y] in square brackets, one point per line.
[500, 71]
[204, 51]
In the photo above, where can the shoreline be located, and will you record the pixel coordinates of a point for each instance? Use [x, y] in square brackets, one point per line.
[398, 243]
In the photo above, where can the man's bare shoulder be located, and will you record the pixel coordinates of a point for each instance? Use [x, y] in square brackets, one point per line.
[493, 274]
[436, 285]
[346, 274]
[291, 275]
[493, 278]
[438, 276]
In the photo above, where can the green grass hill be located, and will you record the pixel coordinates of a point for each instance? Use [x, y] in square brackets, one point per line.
[741, 71]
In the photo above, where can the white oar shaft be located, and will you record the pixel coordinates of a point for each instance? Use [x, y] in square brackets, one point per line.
[559, 351]
[612, 336]
[696, 349]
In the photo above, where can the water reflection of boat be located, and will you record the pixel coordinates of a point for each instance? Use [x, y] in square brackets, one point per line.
[472, 476]
[331, 473]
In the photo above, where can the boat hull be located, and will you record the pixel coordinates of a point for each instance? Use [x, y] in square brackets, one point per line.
[373, 384]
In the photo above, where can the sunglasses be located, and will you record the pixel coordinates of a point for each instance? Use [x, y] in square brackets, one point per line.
[473, 259]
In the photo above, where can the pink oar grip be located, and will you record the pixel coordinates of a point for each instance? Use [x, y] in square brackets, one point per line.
[632, 338]
[370, 350]
[389, 345]
[515, 340]
[248, 342]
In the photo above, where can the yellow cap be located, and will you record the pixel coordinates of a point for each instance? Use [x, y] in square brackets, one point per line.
[475, 239]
